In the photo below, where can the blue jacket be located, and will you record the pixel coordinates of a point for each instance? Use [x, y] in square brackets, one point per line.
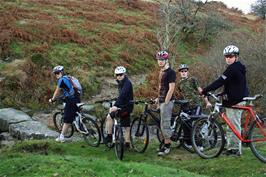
[65, 84]
[125, 90]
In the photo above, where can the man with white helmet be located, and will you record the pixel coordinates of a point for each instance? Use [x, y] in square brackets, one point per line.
[167, 79]
[123, 101]
[65, 87]
[235, 89]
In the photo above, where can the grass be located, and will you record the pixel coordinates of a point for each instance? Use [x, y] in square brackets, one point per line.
[47, 158]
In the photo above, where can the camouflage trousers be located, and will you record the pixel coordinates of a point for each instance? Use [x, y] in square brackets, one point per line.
[234, 115]
[166, 114]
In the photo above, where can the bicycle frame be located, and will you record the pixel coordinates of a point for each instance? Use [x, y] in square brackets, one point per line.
[251, 117]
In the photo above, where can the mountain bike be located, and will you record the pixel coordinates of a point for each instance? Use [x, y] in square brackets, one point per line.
[181, 121]
[139, 130]
[82, 124]
[209, 132]
[117, 132]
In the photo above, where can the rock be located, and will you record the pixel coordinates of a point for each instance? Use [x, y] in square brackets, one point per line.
[44, 118]
[11, 116]
[31, 130]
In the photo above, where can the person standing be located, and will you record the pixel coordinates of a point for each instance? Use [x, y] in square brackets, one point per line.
[190, 90]
[235, 89]
[66, 89]
[167, 79]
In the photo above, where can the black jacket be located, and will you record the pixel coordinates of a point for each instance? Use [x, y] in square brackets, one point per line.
[125, 90]
[234, 82]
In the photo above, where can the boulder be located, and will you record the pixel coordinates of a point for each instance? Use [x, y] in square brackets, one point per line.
[11, 116]
[31, 130]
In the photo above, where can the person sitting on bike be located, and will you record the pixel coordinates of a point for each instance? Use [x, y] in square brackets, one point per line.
[235, 89]
[66, 90]
[123, 102]
[190, 90]
[167, 79]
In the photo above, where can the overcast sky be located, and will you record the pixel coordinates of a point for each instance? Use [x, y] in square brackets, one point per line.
[243, 5]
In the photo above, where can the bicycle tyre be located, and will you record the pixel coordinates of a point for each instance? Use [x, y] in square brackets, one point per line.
[258, 148]
[208, 138]
[58, 123]
[139, 135]
[93, 137]
[119, 143]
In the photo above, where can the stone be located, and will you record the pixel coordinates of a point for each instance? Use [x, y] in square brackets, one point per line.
[11, 116]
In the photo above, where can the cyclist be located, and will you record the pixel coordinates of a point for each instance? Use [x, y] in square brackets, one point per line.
[167, 79]
[123, 101]
[189, 89]
[65, 87]
[235, 89]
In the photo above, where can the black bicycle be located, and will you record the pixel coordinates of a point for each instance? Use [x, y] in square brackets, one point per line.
[117, 132]
[139, 129]
[182, 123]
[82, 124]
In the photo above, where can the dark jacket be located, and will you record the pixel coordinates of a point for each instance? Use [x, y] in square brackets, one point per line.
[125, 90]
[234, 82]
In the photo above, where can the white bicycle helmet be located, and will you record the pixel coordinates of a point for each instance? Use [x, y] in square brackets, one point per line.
[231, 50]
[58, 69]
[120, 70]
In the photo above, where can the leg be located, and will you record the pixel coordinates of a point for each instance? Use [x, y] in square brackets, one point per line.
[234, 116]
[166, 114]
[65, 128]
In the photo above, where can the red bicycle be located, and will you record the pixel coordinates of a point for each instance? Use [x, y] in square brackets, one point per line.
[209, 134]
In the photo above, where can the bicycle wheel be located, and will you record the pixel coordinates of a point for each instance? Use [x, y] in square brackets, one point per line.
[93, 137]
[139, 135]
[58, 123]
[119, 143]
[208, 138]
[257, 135]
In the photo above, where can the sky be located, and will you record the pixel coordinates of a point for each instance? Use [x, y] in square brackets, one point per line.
[243, 5]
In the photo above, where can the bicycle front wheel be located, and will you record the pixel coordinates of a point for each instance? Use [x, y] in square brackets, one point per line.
[257, 135]
[208, 138]
[59, 122]
[93, 136]
[119, 143]
[139, 135]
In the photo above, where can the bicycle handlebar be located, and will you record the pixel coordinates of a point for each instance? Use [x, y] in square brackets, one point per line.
[143, 101]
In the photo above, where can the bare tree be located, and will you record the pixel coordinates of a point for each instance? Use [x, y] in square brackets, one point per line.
[259, 8]
[176, 17]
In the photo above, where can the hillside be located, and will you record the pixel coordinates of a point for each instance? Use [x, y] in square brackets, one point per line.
[90, 38]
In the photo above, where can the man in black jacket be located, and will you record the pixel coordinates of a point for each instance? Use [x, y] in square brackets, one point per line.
[235, 89]
[123, 102]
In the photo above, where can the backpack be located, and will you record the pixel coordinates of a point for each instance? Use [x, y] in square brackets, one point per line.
[76, 85]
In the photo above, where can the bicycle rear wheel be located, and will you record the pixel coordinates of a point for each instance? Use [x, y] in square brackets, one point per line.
[119, 143]
[139, 135]
[207, 138]
[58, 123]
[93, 137]
[257, 135]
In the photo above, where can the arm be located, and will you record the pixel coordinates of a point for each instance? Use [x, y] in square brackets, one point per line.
[56, 93]
[208, 104]
[170, 92]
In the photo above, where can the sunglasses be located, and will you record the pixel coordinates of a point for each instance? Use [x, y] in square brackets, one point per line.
[56, 73]
[229, 56]
[183, 71]
[118, 75]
